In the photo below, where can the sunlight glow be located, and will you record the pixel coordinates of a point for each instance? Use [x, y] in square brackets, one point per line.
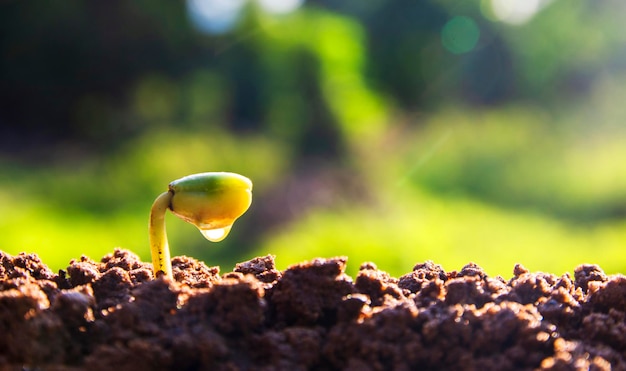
[220, 16]
[214, 16]
[280, 6]
[516, 12]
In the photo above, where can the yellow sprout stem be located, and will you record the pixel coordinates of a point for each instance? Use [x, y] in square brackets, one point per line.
[159, 247]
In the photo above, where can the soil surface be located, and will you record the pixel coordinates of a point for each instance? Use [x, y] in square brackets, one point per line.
[112, 315]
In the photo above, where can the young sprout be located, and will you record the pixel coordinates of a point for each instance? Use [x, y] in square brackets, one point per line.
[210, 201]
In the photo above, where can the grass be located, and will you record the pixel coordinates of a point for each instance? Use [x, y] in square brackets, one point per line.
[494, 187]
[65, 211]
[451, 232]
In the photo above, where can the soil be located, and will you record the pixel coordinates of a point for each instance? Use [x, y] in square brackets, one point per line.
[112, 315]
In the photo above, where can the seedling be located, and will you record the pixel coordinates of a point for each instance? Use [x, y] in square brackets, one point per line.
[210, 201]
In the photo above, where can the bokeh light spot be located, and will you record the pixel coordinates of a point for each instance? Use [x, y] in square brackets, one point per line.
[516, 12]
[460, 35]
[214, 16]
[280, 6]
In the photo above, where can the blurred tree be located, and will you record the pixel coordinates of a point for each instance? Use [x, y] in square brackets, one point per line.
[321, 136]
[91, 75]
[66, 69]
[405, 55]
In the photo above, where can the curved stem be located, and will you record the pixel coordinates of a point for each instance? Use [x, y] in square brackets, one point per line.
[159, 247]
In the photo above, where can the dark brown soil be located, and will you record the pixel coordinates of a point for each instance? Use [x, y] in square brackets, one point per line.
[112, 315]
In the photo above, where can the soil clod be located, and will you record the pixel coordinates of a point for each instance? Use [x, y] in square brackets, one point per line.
[113, 315]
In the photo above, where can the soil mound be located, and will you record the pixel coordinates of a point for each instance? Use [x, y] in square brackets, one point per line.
[112, 315]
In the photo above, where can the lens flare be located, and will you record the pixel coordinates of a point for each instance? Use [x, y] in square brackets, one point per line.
[460, 35]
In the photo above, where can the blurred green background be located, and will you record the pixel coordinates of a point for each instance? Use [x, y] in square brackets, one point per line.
[391, 131]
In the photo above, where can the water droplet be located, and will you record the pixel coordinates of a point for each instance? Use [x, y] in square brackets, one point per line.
[215, 235]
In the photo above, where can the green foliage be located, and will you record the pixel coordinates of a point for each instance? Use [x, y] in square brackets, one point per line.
[506, 148]
[450, 231]
[515, 158]
[495, 187]
[62, 213]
